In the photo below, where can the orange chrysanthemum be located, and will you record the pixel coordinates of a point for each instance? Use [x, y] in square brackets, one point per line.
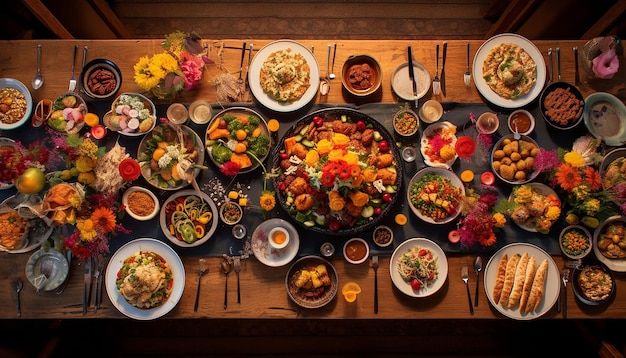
[104, 219]
[568, 177]
[488, 238]
[592, 177]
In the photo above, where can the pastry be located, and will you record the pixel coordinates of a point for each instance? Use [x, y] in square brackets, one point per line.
[497, 288]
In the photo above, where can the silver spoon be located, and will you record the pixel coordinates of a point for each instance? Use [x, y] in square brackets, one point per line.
[38, 79]
[325, 81]
[478, 267]
[226, 268]
[332, 66]
[516, 134]
[19, 285]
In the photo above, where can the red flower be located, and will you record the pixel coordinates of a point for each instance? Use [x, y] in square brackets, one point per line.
[129, 169]
[328, 180]
[230, 168]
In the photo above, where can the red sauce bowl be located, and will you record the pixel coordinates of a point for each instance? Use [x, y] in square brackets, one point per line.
[356, 251]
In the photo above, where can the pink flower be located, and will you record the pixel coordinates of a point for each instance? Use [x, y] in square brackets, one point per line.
[606, 64]
[192, 69]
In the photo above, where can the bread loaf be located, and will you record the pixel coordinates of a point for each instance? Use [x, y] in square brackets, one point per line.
[529, 276]
[536, 292]
[518, 282]
[497, 288]
[509, 279]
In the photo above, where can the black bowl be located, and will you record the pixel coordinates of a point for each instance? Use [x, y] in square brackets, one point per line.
[307, 219]
[578, 290]
[574, 120]
[100, 79]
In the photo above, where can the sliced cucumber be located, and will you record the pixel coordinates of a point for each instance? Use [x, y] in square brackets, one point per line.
[391, 189]
[304, 130]
[298, 137]
[309, 223]
[367, 211]
[376, 202]
[308, 143]
[300, 217]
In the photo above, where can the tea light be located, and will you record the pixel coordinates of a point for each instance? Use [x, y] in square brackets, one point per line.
[177, 113]
[431, 111]
[278, 237]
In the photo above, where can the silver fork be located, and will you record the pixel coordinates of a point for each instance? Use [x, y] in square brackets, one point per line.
[375, 267]
[465, 277]
[436, 83]
[237, 267]
[201, 271]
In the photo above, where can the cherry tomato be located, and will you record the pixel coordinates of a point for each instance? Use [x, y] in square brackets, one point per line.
[387, 197]
[383, 145]
[415, 284]
[431, 276]
[282, 186]
[333, 226]
[454, 236]
[284, 155]
[319, 121]
[422, 253]
[360, 126]
[378, 210]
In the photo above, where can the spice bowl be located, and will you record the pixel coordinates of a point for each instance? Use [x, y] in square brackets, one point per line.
[575, 242]
[383, 236]
[356, 250]
[278, 237]
[140, 203]
[521, 121]
[406, 122]
[231, 213]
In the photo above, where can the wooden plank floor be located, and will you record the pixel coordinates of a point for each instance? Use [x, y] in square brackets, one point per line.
[302, 19]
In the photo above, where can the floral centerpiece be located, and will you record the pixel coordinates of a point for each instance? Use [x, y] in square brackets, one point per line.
[179, 67]
[17, 158]
[481, 218]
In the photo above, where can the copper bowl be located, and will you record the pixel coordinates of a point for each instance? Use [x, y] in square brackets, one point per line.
[361, 75]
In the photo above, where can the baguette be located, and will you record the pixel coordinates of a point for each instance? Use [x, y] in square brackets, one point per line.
[536, 292]
[509, 278]
[497, 288]
[531, 268]
[518, 283]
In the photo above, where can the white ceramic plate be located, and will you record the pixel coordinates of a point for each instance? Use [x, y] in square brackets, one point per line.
[402, 85]
[212, 224]
[552, 284]
[59, 271]
[540, 189]
[611, 127]
[268, 255]
[617, 265]
[254, 76]
[487, 92]
[115, 264]
[13, 83]
[430, 131]
[405, 287]
[455, 181]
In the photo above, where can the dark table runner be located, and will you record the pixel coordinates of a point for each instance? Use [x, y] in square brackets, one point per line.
[251, 183]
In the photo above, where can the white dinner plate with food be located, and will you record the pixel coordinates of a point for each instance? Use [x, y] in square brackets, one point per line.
[528, 47]
[551, 286]
[254, 76]
[439, 132]
[447, 183]
[268, 255]
[441, 267]
[541, 191]
[117, 261]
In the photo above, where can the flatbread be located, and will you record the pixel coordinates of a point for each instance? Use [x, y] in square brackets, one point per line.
[536, 292]
[497, 287]
[509, 279]
[518, 283]
[529, 276]
[509, 71]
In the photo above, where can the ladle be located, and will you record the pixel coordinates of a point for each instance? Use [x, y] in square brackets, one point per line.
[38, 79]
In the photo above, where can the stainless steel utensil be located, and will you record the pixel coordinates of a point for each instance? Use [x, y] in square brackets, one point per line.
[19, 285]
[375, 267]
[436, 83]
[558, 63]
[564, 279]
[87, 286]
[201, 271]
[82, 67]
[443, 68]
[465, 277]
[550, 64]
[243, 56]
[467, 75]
[478, 267]
[73, 79]
[332, 66]
[516, 134]
[68, 256]
[237, 266]
[38, 79]
[576, 74]
[98, 278]
[325, 81]
[226, 268]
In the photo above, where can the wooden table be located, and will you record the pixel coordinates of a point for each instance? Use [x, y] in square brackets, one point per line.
[263, 288]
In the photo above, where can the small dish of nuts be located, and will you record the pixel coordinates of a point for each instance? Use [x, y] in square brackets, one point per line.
[383, 236]
[100, 79]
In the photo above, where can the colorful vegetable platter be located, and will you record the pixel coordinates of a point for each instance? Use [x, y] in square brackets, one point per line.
[437, 145]
[435, 194]
[534, 207]
[188, 220]
[132, 114]
[238, 135]
[334, 183]
[68, 113]
[160, 152]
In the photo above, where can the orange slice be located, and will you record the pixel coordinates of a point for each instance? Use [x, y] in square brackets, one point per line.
[92, 119]
[273, 125]
[401, 219]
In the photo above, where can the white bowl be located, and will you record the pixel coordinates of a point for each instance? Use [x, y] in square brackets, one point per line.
[15, 84]
[455, 181]
[518, 116]
[349, 250]
[273, 232]
[431, 111]
[128, 203]
[385, 240]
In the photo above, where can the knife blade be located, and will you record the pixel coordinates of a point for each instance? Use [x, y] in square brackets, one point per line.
[412, 75]
[443, 69]
[87, 286]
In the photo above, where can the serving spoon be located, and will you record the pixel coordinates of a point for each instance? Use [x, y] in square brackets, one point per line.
[38, 79]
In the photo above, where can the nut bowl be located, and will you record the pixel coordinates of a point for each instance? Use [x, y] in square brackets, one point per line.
[575, 242]
[383, 236]
[361, 75]
[100, 79]
[302, 290]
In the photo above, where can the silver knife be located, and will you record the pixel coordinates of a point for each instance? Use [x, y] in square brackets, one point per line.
[443, 69]
[412, 75]
[87, 286]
